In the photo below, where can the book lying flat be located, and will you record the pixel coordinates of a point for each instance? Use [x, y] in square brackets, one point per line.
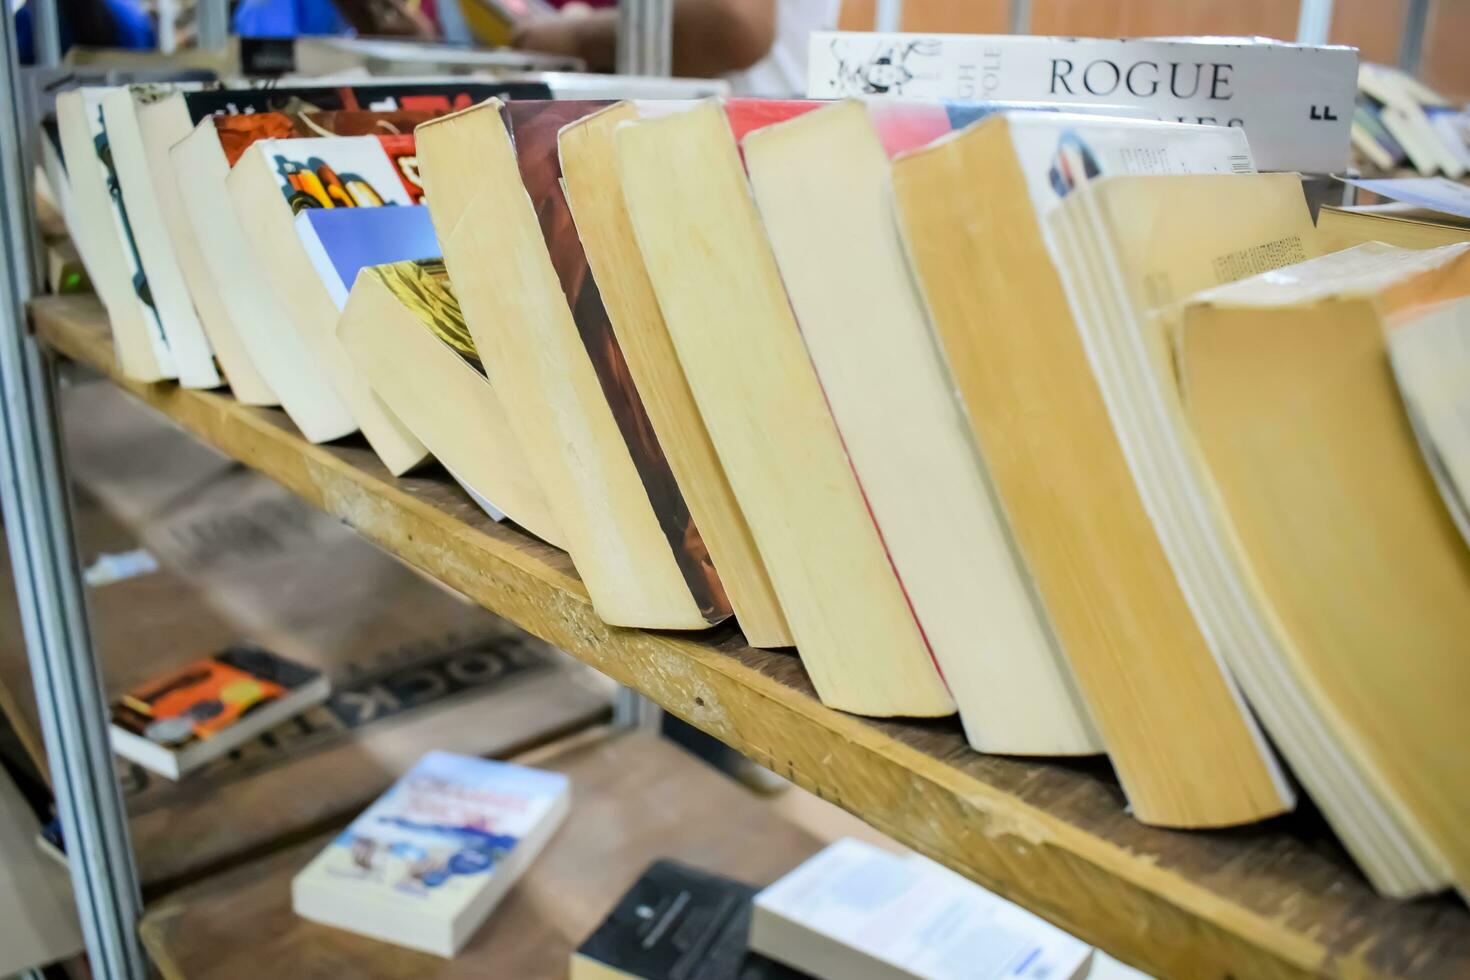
[1287, 384]
[726, 308]
[1186, 749]
[404, 330]
[181, 721]
[428, 862]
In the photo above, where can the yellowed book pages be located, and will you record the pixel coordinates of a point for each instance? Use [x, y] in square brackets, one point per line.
[265, 216]
[1179, 736]
[403, 329]
[590, 175]
[1405, 227]
[722, 298]
[822, 183]
[515, 308]
[1289, 389]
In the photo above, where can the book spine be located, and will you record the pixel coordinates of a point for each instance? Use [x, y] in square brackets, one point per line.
[1295, 102]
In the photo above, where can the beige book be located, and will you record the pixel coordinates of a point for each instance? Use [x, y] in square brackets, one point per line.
[726, 310]
[1287, 383]
[1135, 250]
[515, 308]
[1185, 748]
[161, 128]
[1394, 224]
[282, 356]
[255, 190]
[142, 351]
[404, 331]
[596, 200]
[822, 184]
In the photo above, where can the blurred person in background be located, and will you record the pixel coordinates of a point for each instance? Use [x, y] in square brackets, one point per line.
[759, 45]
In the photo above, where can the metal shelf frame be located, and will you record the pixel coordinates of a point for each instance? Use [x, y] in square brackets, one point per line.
[35, 496]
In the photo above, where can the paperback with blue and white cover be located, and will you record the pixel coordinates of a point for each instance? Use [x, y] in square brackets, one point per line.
[425, 864]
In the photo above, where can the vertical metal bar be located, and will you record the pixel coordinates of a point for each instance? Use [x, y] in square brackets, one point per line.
[1018, 19]
[1411, 44]
[646, 37]
[168, 24]
[1314, 22]
[45, 33]
[888, 16]
[213, 23]
[48, 587]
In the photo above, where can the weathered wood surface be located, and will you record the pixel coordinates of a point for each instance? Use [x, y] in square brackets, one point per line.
[635, 798]
[1275, 900]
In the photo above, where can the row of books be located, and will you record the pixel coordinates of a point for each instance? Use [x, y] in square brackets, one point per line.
[928, 391]
[1400, 122]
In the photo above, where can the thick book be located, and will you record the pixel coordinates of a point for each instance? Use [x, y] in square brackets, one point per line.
[737, 340]
[273, 182]
[177, 723]
[677, 923]
[427, 863]
[1186, 749]
[855, 911]
[523, 283]
[1288, 388]
[1294, 101]
[403, 328]
[821, 182]
[589, 173]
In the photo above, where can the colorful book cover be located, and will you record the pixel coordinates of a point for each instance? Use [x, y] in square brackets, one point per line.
[207, 697]
[337, 172]
[534, 127]
[343, 240]
[237, 133]
[422, 286]
[438, 98]
[436, 838]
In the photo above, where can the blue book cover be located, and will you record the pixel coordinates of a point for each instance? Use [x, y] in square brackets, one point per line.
[342, 241]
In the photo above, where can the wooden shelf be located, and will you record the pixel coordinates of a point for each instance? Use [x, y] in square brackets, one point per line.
[1275, 900]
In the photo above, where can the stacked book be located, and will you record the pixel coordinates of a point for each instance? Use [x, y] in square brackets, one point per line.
[1058, 420]
[1400, 122]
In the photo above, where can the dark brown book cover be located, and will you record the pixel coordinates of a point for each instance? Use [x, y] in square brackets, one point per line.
[533, 128]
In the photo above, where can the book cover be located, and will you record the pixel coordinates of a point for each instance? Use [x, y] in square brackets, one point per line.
[208, 697]
[1294, 101]
[337, 172]
[534, 127]
[426, 863]
[422, 286]
[678, 923]
[341, 241]
[436, 97]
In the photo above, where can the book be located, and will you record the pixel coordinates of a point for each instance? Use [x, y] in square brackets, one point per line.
[821, 182]
[403, 328]
[495, 22]
[1294, 101]
[272, 182]
[105, 241]
[428, 862]
[854, 910]
[981, 256]
[178, 722]
[138, 198]
[536, 316]
[589, 169]
[677, 921]
[341, 241]
[1398, 224]
[1407, 105]
[1372, 138]
[726, 310]
[1288, 388]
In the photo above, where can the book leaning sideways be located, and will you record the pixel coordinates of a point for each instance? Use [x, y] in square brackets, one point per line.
[1294, 101]
[427, 863]
[176, 723]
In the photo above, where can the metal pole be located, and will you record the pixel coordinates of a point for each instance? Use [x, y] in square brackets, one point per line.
[1411, 44]
[1019, 17]
[1314, 22]
[646, 37]
[45, 33]
[33, 493]
[888, 16]
[212, 20]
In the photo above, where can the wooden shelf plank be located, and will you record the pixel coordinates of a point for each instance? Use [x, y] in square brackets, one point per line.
[1275, 900]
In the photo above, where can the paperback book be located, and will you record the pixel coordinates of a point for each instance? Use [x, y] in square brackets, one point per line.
[428, 862]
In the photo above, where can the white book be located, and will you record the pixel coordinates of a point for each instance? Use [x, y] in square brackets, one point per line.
[855, 912]
[427, 863]
[1294, 101]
